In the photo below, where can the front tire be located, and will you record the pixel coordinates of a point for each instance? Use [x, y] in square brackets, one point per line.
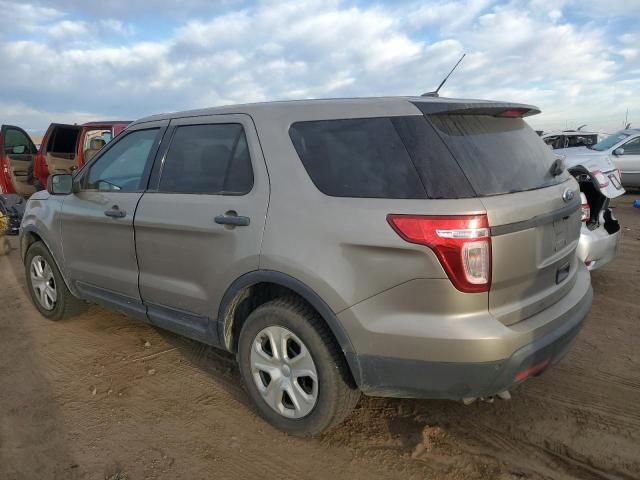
[293, 368]
[46, 286]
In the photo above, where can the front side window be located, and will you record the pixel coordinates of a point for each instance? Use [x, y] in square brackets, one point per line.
[211, 159]
[121, 167]
[16, 142]
[632, 147]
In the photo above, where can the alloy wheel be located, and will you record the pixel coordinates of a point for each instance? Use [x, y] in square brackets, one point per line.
[43, 282]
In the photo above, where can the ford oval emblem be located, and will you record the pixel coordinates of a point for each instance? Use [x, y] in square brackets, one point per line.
[568, 195]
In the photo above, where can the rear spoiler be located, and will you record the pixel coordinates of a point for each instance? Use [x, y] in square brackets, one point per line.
[446, 106]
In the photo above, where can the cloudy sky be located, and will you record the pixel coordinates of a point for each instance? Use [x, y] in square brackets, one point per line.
[76, 60]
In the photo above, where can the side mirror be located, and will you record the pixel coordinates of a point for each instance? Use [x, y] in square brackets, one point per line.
[60, 184]
[19, 149]
[618, 151]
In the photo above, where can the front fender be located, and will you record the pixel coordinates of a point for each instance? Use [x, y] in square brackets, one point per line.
[41, 222]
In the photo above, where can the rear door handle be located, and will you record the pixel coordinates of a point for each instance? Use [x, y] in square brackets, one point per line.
[115, 212]
[233, 219]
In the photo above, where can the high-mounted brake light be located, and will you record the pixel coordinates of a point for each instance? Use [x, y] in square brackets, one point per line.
[513, 113]
[600, 178]
[462, 244]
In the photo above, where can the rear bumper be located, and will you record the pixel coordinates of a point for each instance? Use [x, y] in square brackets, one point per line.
[547, 338]
[597, 247]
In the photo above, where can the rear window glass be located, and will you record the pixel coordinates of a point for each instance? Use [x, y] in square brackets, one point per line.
[208, 159]
[63, 140]
[357, 158]
[497, 155]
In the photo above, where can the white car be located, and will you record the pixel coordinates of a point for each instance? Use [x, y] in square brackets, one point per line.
[571, 139]
[599, 182]
[621, 149]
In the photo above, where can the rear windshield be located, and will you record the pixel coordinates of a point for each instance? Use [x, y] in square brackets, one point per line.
[443, 156]
[498, 155]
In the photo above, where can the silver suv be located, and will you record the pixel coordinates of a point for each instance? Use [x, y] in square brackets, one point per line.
[404, 247]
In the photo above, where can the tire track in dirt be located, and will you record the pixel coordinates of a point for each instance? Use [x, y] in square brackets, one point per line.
[191, 419]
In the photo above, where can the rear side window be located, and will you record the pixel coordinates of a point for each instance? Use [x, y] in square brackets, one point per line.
[497, 155]
[63, 140]
[210, 159]
[357, 158]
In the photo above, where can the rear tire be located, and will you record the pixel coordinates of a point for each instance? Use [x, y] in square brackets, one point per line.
[285, 346]
[46, 286]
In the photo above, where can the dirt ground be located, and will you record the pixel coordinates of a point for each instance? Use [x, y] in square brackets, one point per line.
[102, 396]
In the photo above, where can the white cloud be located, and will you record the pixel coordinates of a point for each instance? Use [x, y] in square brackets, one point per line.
[520, 51]
[68, 30]
[25, 16]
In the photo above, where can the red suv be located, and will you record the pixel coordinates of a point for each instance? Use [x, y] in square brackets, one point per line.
[24, 169]
[65, 148]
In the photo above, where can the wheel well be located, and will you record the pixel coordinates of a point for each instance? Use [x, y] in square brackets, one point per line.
[247, 300]
[28, 239]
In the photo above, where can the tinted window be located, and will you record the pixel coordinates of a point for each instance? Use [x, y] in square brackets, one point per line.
[121, 167]
[208, 159]
[497, 155]
[17, 142]
[357, 158]
[440, 173]
[63, 140]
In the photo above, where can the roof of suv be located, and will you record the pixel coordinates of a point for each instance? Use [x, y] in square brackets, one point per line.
[429, 105]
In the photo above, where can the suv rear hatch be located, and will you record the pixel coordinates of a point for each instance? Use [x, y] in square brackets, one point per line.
[532, 206]
[498, 193]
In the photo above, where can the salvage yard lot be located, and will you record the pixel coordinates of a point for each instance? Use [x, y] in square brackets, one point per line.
[102, 394]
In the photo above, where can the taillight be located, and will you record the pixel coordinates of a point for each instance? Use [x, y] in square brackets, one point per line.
[586, 209]
[600, 178]
[462, 244]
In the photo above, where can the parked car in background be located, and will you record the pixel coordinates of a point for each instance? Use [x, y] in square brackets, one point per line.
[403, 247]
[600, 231]
[17, 153]
[621, 149]
[66, 148]
[599, 182]
[570, 139]
[12, 207]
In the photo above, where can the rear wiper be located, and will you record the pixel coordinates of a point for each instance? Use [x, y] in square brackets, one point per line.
[557, 167]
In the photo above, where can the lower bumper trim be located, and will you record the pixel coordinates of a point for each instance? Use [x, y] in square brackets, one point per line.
[405, 378]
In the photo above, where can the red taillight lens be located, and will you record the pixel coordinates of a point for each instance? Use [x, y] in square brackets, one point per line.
[586, 209]
[461, 243]
[600, 178]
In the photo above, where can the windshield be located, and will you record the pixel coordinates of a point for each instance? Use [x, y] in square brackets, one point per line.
[610, 141]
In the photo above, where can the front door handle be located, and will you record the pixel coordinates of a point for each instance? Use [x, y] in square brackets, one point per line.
[115, 212]
[232, 219]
